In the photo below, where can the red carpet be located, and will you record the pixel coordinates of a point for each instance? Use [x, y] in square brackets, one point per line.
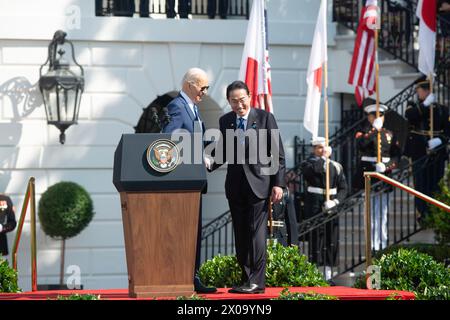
[343, 293]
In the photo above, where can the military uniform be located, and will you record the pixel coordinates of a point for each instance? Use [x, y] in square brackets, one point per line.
[324, 239]
[7, 221]
[366, 141]
[427, 171]
[367, 144]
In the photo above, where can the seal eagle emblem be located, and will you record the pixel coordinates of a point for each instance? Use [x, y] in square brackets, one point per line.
[163, 155]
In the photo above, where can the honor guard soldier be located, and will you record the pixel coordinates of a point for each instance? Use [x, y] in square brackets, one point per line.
[323, 243]
[427, 170]
[367, 144]
[7, 221]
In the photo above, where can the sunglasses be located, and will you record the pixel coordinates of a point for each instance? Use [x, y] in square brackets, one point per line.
[202, 89]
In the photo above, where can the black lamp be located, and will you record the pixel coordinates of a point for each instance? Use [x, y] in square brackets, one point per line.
[61, 86]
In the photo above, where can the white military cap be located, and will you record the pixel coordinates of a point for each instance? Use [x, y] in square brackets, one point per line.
[318, 141]
[373, 108]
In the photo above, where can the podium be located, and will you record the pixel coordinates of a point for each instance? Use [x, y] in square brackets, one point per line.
[160, 202]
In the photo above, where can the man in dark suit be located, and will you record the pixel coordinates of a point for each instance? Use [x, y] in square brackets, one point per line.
[212, 8]
[183, 8]
[253, 175]
[183, 112]
[7, 222]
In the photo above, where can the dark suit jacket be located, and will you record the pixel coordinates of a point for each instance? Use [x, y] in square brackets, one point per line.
[7, 220]
[181, 116]
[261, 184]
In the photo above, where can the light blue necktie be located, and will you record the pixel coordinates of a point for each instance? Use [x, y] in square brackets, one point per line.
[197, 121]
[196, 113]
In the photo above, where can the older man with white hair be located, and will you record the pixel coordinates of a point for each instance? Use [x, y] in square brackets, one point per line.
[184, 114]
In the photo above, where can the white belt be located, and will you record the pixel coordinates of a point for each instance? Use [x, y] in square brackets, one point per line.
[374, 159]
[321, 191]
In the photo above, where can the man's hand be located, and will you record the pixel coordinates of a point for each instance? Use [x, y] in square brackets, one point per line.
[377, 123]
[380, 167]
[277, 194]
[434, 143]
[429, 100]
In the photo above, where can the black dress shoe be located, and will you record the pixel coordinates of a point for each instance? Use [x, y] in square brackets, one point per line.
[199, 287]
[233, 290]
[251, 288]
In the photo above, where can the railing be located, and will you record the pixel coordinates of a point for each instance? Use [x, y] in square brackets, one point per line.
[350, 244]
[29, 199]
[146, 8]
[218, 237]
[367, 216]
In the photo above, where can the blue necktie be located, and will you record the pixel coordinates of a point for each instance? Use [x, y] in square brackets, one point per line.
[241, 124]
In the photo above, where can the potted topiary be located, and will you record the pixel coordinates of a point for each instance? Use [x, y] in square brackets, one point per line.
[65, 209]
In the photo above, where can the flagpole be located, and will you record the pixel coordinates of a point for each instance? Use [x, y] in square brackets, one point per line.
[431, 108]
[327, 160]
[377, 90]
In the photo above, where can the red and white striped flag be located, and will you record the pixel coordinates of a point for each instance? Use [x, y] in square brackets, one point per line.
[255, 68]
[426, 12]
[362, 69]
[317, 59]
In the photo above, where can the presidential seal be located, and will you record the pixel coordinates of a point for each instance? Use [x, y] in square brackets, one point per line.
[163, 155]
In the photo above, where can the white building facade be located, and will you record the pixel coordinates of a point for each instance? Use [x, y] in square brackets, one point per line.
[128, 62]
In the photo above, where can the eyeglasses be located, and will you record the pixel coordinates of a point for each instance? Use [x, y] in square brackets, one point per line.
[202, 89]
[240, 100]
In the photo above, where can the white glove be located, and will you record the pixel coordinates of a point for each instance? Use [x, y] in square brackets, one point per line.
[1, 227]
[380, 167]
[208, 162]
[429, 100]
[330, 204]
[433, 143]
[377, 123]
[327, 151]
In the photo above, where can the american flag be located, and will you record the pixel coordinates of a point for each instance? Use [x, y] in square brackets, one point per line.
[255, 68]
[362, 69]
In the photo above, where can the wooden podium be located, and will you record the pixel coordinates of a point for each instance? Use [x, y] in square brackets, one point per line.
[160, 213]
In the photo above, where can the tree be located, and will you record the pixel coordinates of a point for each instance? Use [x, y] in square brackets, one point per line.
[65, 209]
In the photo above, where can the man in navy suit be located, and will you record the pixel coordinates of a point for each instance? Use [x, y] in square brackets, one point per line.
[183, 112]
[183, 109]
[251, 144]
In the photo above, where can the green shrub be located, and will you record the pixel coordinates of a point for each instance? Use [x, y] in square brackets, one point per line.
[79, 297]
[220, 271]
[439, 219]
[8, 278]
[65, 209]
[440, 253]
[285, 294]
[285, 267]
[409, 270]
